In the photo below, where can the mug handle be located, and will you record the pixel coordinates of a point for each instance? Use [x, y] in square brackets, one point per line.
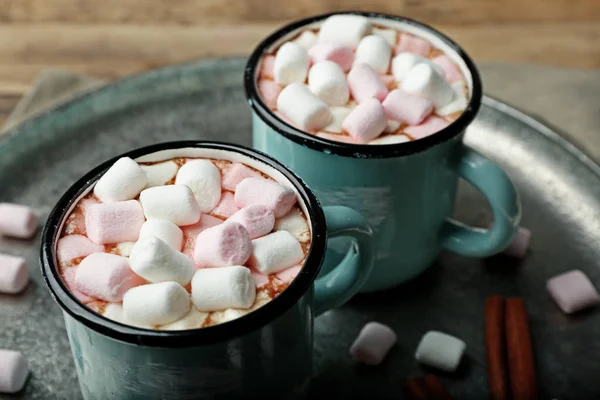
[503, 198]
[346, 278]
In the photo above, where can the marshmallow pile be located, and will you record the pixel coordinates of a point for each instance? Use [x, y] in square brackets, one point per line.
[214, 245]
[356, 83]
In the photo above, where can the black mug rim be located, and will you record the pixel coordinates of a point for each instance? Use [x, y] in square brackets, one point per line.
[359, 150]
[191, 337]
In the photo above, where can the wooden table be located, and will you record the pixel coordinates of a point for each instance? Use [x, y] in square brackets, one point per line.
[112, 38]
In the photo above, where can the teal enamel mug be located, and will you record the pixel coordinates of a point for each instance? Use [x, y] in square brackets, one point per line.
[264, 354]
[406, 190]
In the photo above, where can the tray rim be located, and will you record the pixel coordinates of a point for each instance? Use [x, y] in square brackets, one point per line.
[47, 116]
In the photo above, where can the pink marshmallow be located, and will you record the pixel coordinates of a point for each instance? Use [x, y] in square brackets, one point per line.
[75, 246]
[268, 193]
[366, 121]
[336, 138]
[288, 275]
[389, 81]
[69, 277]
[267, 67]
[260, 280]
[269, 91]
[412, 44]
[572, 291]
[13, 371]
[428, 127]
[226, 207]
[373, 343]
[237, 173]
[14, 274]
[114, 222]
[17, 221]
[451, 71]
[223, 245]
[257, 219]
[404, 107]
[518, 247]
[105, 276]
[191, 232]
[341, 55]
[365, 83]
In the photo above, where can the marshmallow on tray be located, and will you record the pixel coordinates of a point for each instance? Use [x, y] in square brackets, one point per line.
[572, 291]
[204, 178]
[105, 276]
[275, 252]
[306, 39]
[156, 261]
[366, 121]
[365, 83]
[428, 127]
[223, 245]
[374, 51]
[413, 44]
[159, 174]
[257, 219]
[269, 91]
[192, 320]
[303, 108]
[123, 181]
[440, 351]
[75, 246]
[226, 207]
[236, 173]
[339, 115]
[175, 203]
[291, 64]
[373, 343]
[327, 80]
[265, 192]
[407, 108]
[164, 230]
[295, 224]
[341, 55]
[156, 304]
[13, 371]
[114, 222]
[14, 274]
[520, 243]
[390, 139]
[426, 81]
[216, 289]
[346, 30]
[17, 221]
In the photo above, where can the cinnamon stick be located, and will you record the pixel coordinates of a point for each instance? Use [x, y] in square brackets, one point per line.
[436, 389]
[521, 368]
[495, 348]
[416, 389]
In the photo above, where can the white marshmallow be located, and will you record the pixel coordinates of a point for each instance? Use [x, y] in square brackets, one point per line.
[291, 64]
[390, 35]
[459, 103]
[231, 314]
[123, 181]
[156, 304]
[426, 81]
[306, 40]
[390, 139]
[159, 174]
[192, 320]
[156, 261]
[13, 371]
[338, 114]
[114, 311]
[404, 62]
[327, 80]
[294, 223]
[346, 30]
[440, 350]
[392, 126]
[215, 289]
[275, 252]
[124, 248]
[305, 109]
[375, 51]
[175, 203]
[373, 343]
[165, 230]
[204, 178]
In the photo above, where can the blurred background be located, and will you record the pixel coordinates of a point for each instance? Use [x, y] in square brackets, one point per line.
[112, 38]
